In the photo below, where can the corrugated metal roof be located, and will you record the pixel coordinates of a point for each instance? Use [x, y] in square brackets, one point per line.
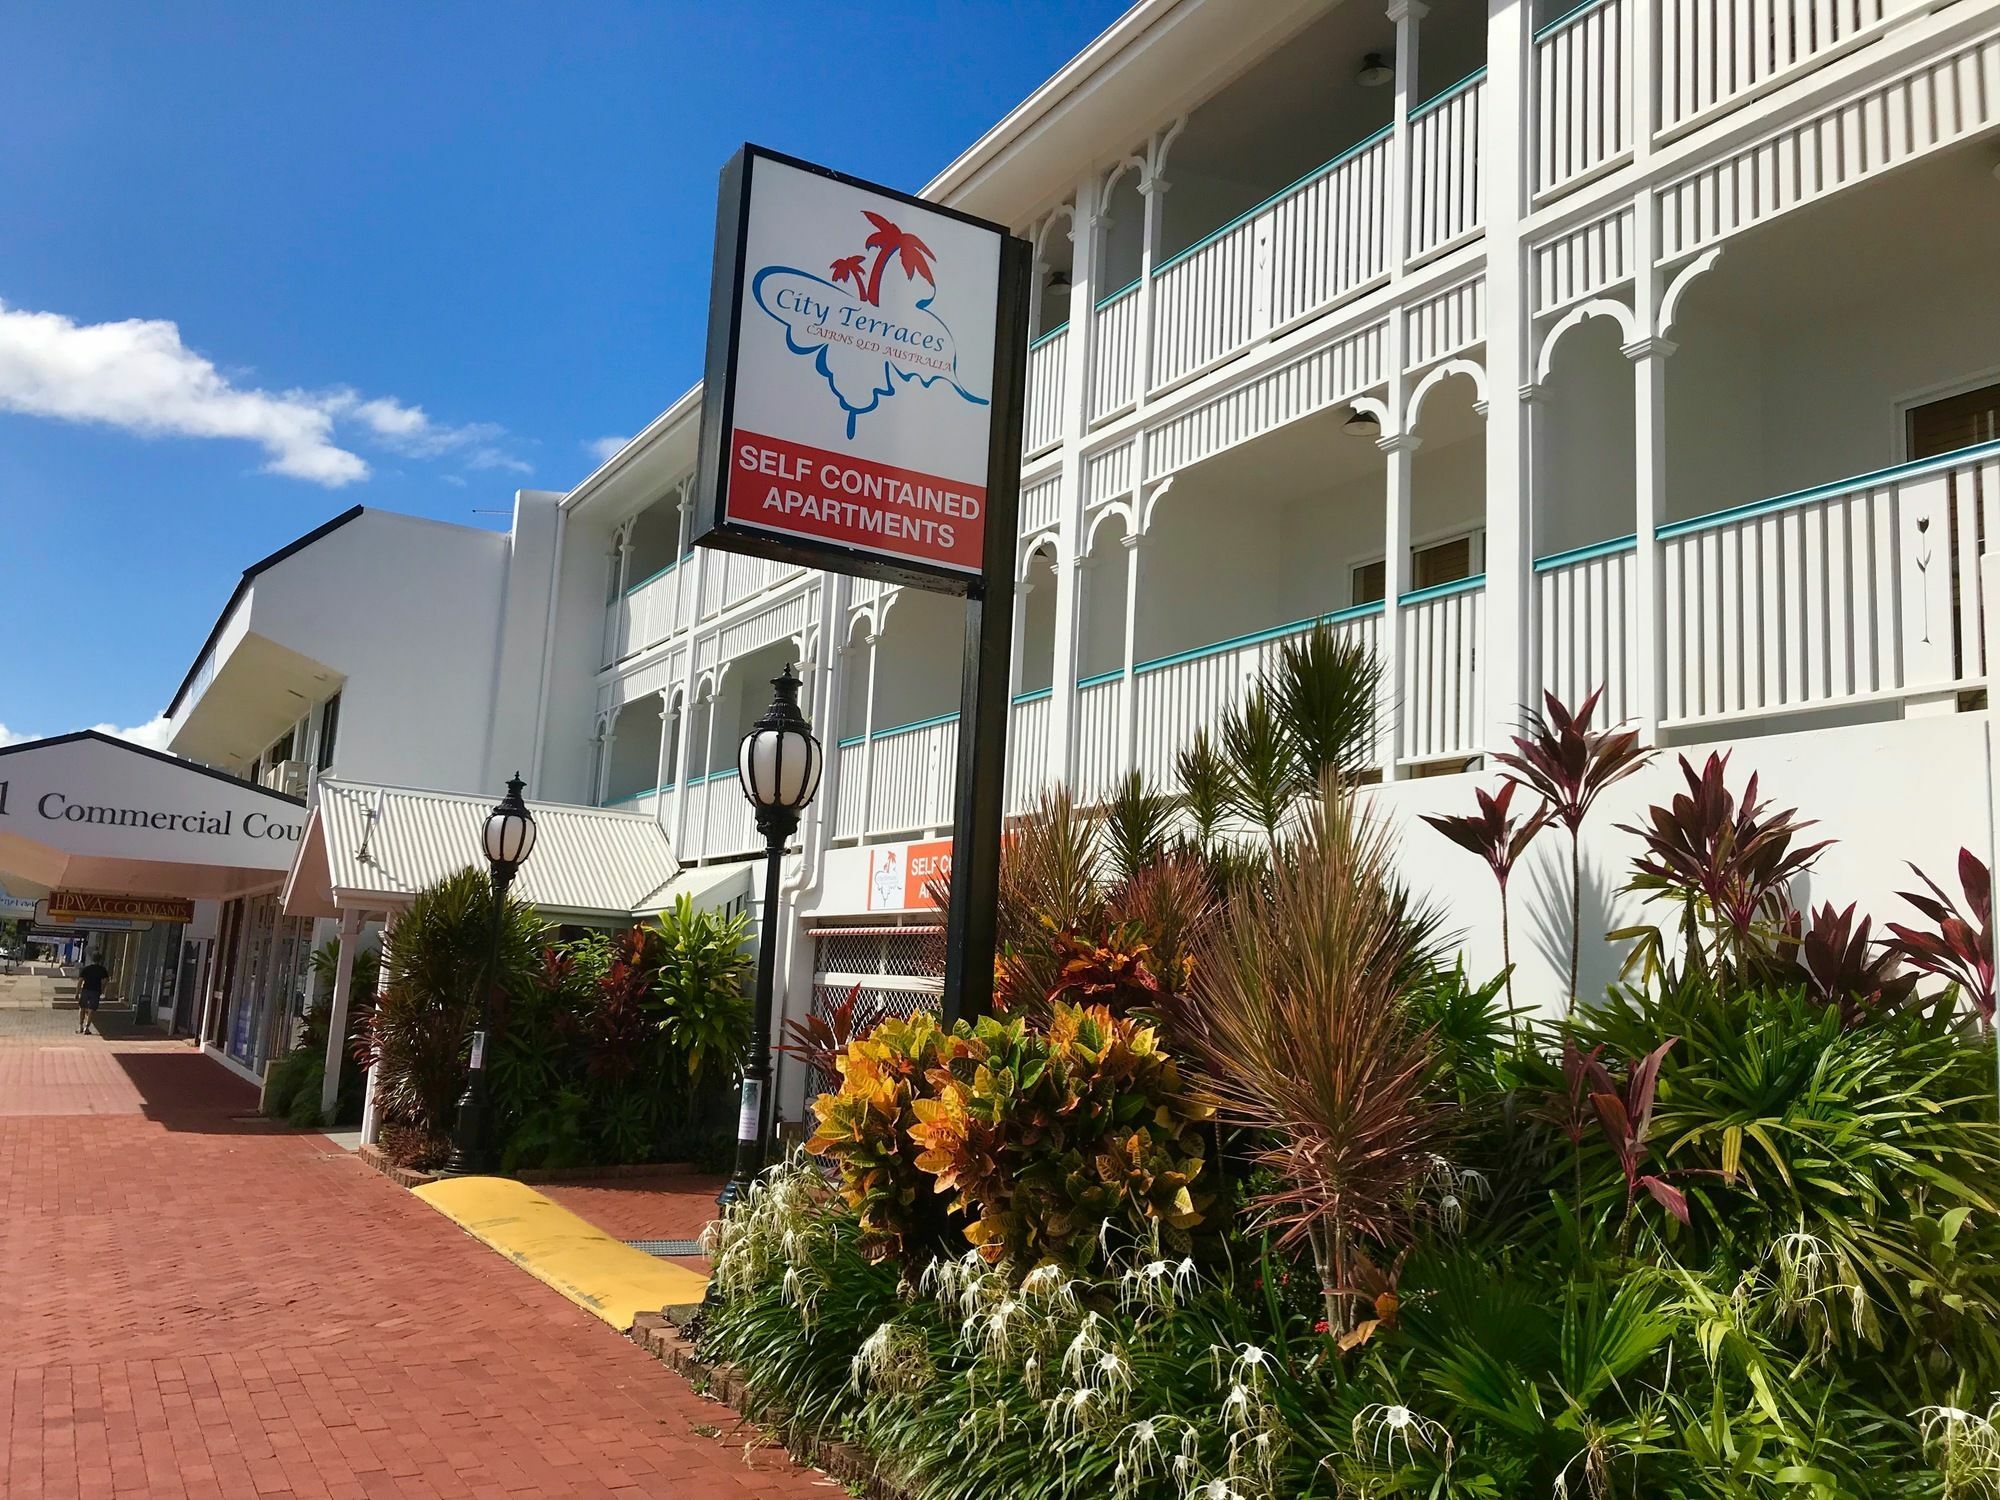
[391, 842]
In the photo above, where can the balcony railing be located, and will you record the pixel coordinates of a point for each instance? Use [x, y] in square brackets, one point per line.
[653, 609]
[1115, 376]
[1047, 360]
[1445, 206]
[1711, 57]
[1865, 591]
[1583, 92]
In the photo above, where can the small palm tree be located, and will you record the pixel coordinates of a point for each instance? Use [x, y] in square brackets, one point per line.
[890, 243]
[1325, 688]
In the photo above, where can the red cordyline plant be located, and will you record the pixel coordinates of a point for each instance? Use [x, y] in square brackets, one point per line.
[1844, 969]
[1961, 949]
[1500, 840]
[1566, 763]
[1624, 1116]
[1730, 860]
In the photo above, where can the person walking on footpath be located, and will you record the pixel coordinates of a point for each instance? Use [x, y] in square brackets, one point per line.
[90, 996]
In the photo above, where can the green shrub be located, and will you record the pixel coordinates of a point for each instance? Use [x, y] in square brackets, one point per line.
[304, 1108]
[436, 959]
[286, 1080]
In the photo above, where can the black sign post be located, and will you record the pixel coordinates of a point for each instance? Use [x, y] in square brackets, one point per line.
[772, 482]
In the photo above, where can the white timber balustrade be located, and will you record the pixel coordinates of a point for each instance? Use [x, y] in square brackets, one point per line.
[1047, 357]
[1445, 204]
[915, 765]
[1443, 632]
[1583, 92]
[1097, 745]
[1585, 606]
[1027, 751]
[720, 819]
[648, 612]
[1715, 54]
[1853, 592]
[1321, 240]
[1114, 369]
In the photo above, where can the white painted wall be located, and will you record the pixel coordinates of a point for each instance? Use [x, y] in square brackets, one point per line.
[409, 612]
[525, 622]
[1928, 793]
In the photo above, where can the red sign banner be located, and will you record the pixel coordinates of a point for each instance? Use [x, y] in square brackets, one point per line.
[834, 497]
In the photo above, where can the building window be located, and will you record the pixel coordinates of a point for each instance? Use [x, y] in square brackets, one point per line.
[281, 748]
[329, 725]
[1441, 562]
[1955, 422]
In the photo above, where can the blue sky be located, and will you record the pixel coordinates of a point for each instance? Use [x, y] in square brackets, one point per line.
[263, 262]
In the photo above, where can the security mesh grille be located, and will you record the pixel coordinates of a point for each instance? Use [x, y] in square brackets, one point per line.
[844, 961]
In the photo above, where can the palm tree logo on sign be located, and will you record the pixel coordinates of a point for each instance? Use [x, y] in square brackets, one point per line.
[870, 334]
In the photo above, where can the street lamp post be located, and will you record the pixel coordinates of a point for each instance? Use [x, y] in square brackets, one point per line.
[509, 839]
[779, 765]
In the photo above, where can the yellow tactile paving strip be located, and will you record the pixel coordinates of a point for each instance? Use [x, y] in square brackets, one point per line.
[595, 1271]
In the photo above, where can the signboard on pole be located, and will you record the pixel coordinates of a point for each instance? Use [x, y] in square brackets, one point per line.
[859, 365]
[861, 413]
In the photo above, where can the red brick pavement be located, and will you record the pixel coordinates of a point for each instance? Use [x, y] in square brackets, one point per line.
[195, 1304]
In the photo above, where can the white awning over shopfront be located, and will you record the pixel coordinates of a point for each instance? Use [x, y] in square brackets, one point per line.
[87, 812]
[372, 848]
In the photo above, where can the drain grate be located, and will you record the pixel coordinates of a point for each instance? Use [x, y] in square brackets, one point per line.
[667, 1247]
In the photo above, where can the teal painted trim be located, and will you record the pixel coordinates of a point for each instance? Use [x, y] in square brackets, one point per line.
[634, 588]
[883, 734]
[848, 743]
[1448, 94]
[1099, 679]
[635, 796]
[1952, 460]
[1584, 554]
[1354, 612]
[1130, 286]
[1059, 328]
[1250, 213]
[1257, 637]
[1445, 590]
[1568, 16]
[1035, 697]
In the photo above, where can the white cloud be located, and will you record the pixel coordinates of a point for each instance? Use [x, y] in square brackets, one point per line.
[152, 734]
[137, 375]
[602, 448]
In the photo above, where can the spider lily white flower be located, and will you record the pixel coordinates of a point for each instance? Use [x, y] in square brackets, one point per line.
[1386, 1423]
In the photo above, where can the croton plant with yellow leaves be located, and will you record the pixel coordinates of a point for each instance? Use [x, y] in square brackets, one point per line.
[1033, 1135]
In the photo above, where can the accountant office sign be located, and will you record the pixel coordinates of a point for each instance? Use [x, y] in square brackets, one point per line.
[858, 368]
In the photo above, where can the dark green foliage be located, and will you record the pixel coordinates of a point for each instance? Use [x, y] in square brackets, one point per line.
[621, 1042]
[435, 960]
[1136, 821]
[1326, 688]
[287, 1079]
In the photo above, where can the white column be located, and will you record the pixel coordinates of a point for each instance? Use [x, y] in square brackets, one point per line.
[1649, 487]
[1153, 187]
[336, 1026]
[1400, 448]
[607, 734]
[1504, 156]
[1128, 701]
[708, 756]
[1405, 14]
[371, 1109]
[659, 773]
[1084, 239]
[868, 741]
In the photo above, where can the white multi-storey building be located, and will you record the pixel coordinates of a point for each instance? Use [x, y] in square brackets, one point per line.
[1654, 344]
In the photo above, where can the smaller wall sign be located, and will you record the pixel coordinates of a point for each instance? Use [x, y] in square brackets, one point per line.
[79, 906]
[901, 876]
